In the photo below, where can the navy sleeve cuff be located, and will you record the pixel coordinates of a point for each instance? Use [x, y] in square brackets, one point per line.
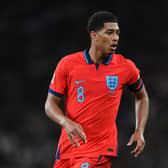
[55, 93]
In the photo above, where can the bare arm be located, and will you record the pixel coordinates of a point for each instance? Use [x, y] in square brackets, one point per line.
[142, 109]
[54, 112]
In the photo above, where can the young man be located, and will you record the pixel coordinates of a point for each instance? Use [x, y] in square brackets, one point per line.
[92, 82]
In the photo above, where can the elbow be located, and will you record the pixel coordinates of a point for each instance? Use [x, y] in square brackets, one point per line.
[145, 101]
[51, 105]
[143, 98]
[146, 97]
[46, 108]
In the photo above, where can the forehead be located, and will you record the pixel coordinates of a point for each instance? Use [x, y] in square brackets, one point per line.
[111, 25]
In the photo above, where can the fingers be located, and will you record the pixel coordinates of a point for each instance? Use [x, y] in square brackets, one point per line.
[140, 144]
[139, 148]
[73, 140]
[130, 141]
[138, 151]
[77, 132]
[80, 134]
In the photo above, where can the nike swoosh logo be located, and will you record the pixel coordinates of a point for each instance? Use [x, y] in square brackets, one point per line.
[77, 82]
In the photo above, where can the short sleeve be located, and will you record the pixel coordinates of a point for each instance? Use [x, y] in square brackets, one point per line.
[135, 81]
[59, 81]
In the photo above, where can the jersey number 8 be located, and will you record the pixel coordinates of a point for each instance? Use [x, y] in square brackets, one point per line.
[80, 91]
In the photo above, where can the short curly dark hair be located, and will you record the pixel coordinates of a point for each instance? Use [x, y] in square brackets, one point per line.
[97, 20]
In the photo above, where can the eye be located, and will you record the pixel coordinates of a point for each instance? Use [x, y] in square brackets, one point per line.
[118, 32]
[112, 32]
[109, 32]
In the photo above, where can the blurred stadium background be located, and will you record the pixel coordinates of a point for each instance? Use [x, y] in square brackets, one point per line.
[36, 34]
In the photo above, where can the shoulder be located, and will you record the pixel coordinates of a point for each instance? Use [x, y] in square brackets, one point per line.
[71, 58]
[120, 59]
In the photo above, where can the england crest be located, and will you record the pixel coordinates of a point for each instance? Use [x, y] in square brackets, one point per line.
[112, 82]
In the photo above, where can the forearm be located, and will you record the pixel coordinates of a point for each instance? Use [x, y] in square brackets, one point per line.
[54, 112]
[142, 110]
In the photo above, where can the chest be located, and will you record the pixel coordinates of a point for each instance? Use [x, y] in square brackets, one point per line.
[105, 79]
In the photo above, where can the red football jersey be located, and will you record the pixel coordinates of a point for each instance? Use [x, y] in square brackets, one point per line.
[92, 98]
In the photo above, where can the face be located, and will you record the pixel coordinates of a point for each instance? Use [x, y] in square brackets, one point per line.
[107, 38]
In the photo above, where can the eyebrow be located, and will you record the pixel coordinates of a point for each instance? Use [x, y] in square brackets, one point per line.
[113, 29]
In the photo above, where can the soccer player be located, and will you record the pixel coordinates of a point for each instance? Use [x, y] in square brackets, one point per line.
[92, 82]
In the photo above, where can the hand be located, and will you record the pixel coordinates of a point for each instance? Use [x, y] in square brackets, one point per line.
[74, 129]
[139, 139]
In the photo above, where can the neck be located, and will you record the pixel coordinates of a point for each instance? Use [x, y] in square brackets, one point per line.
[96, 55]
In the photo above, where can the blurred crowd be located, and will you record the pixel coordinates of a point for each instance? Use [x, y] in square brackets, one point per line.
[35, 35]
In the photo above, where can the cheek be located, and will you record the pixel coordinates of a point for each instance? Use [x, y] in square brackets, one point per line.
[105, 40]
[102, 40]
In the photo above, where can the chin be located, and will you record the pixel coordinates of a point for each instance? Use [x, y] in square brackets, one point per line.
[111, 51]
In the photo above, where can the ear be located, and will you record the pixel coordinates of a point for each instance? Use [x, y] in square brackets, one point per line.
[93, 35]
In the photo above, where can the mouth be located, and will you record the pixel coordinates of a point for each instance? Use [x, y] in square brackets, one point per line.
[114, 46]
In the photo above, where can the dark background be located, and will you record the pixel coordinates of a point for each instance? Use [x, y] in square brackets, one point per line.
[35, 35]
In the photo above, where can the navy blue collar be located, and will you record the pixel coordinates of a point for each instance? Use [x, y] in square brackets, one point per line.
[89, 61]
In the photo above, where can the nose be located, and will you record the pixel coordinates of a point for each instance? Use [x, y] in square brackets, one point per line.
[115, 37]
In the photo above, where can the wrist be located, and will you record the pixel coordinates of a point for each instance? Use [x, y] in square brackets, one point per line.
[62, 121]
[140, 130]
